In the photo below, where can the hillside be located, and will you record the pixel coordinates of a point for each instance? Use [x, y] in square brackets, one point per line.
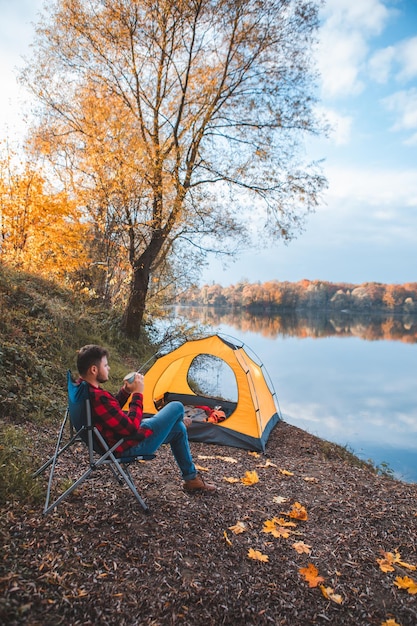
[97, 559]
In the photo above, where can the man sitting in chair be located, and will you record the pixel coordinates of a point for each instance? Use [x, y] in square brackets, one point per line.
[142, 436]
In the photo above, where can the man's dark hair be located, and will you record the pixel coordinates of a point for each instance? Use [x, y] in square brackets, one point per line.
[89, 355]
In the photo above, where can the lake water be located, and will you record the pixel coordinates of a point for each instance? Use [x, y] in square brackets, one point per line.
[352, 383]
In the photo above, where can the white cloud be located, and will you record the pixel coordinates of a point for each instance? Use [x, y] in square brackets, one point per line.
[343, 43]
[380, 64]
[404, 105]
[399, 60]
[407, 58]
[377, 188]
[367, 15]
[340, 57]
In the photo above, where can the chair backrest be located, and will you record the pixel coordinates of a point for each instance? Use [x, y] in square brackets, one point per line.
[79, 406]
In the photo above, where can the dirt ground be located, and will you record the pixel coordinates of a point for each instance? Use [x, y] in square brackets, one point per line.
[99, 560]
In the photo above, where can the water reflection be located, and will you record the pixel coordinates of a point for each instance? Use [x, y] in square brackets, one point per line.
[360, 393]
[309, 324]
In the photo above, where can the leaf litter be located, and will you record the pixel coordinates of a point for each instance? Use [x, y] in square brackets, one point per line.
[200, 559]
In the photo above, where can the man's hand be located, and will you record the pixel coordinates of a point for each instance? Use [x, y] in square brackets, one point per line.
[187, 421]
[137, 386]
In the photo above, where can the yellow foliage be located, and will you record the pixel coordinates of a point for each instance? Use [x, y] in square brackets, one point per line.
[390, 622]
[286, 472]
[41, 230]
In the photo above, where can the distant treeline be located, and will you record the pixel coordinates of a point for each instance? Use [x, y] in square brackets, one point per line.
[305, 294]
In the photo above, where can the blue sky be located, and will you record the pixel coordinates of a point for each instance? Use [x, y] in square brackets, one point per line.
[366, 228]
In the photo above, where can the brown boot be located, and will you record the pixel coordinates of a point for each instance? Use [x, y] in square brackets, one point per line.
[198, 484]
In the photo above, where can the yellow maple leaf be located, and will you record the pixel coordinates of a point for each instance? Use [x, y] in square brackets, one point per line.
[257, 556]
[201, 468]
[385, 565]
[238, 528]
[271, 527]
[329, 594]
[230, 479]
[390, 622]
[298, 512]
[281, 532]
[281, 522]
[255, 454]
[250, 478]
[310, 479]
[389, 559]
[310, 574]
[406, 583]
[286, 472]
[301, 547]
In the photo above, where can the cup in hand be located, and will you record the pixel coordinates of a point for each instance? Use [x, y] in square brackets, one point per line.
[129, 378]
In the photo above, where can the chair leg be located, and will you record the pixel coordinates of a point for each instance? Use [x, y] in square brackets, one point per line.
[126, 477]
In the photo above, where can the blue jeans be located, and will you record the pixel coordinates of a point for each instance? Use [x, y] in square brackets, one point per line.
[167, 427]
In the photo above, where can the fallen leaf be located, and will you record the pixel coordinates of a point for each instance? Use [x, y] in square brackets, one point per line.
[298, 512]
[230, 479]
[201, 468]
[257, 556]
[390, 622]
[250, 478]
[390, 559]
[301, 547]
[229, 543]
[271, 527]
[310, 479]
[279, 499]
[286, 472]
[282, 522]
[329, 594]
[406, 583]
[255, 454]
[310, 574]
[267, 463]
[238, 528]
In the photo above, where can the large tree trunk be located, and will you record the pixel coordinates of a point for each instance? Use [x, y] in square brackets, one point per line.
[135, 309]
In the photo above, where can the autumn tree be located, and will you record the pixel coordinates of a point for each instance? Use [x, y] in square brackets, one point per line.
[179, 123]
[40, 229]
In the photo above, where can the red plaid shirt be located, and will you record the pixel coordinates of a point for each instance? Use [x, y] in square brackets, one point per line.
[112, 422]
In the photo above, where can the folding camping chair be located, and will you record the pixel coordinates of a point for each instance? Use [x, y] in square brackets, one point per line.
[78, 415]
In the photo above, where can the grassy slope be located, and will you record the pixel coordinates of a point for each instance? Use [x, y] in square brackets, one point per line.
[41, 327]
